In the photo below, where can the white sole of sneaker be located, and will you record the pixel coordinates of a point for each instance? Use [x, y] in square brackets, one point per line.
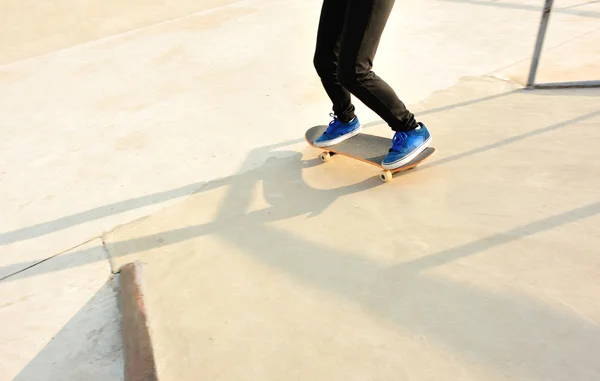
[408, 158]
[335, 141]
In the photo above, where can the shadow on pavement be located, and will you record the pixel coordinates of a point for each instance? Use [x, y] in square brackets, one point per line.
[511, 333]
[291, 169]
[88, 347]
[66, 222]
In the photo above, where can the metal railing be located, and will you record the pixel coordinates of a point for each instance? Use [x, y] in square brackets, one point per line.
[536, 58]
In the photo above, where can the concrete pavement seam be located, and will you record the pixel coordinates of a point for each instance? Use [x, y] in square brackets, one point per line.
[127, 32]
[47, 259]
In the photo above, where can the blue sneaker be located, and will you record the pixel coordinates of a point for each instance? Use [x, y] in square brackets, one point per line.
[406, 146]
[338, 132]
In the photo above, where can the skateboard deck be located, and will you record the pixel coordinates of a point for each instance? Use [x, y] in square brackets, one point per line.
[370, 149]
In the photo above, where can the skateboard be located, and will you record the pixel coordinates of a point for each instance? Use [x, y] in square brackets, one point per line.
[370, 149]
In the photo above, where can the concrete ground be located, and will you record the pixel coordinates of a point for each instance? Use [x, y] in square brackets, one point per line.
[62, 323]
[131, 112]
[482, 264]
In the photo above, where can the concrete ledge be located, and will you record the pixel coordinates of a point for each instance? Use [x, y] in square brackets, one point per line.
[137, 346]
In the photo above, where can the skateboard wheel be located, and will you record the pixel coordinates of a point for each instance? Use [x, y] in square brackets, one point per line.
[386, 176]
[325, 156]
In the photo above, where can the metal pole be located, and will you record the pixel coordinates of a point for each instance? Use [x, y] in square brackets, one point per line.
[568, 85]
[540, 42]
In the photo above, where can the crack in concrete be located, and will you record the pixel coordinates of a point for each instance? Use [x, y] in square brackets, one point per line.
[50, 257]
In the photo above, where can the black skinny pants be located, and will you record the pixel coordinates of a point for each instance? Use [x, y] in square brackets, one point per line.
[347, 40]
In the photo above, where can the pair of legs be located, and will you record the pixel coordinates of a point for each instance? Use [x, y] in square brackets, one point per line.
[347, 40]
[348, 37]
